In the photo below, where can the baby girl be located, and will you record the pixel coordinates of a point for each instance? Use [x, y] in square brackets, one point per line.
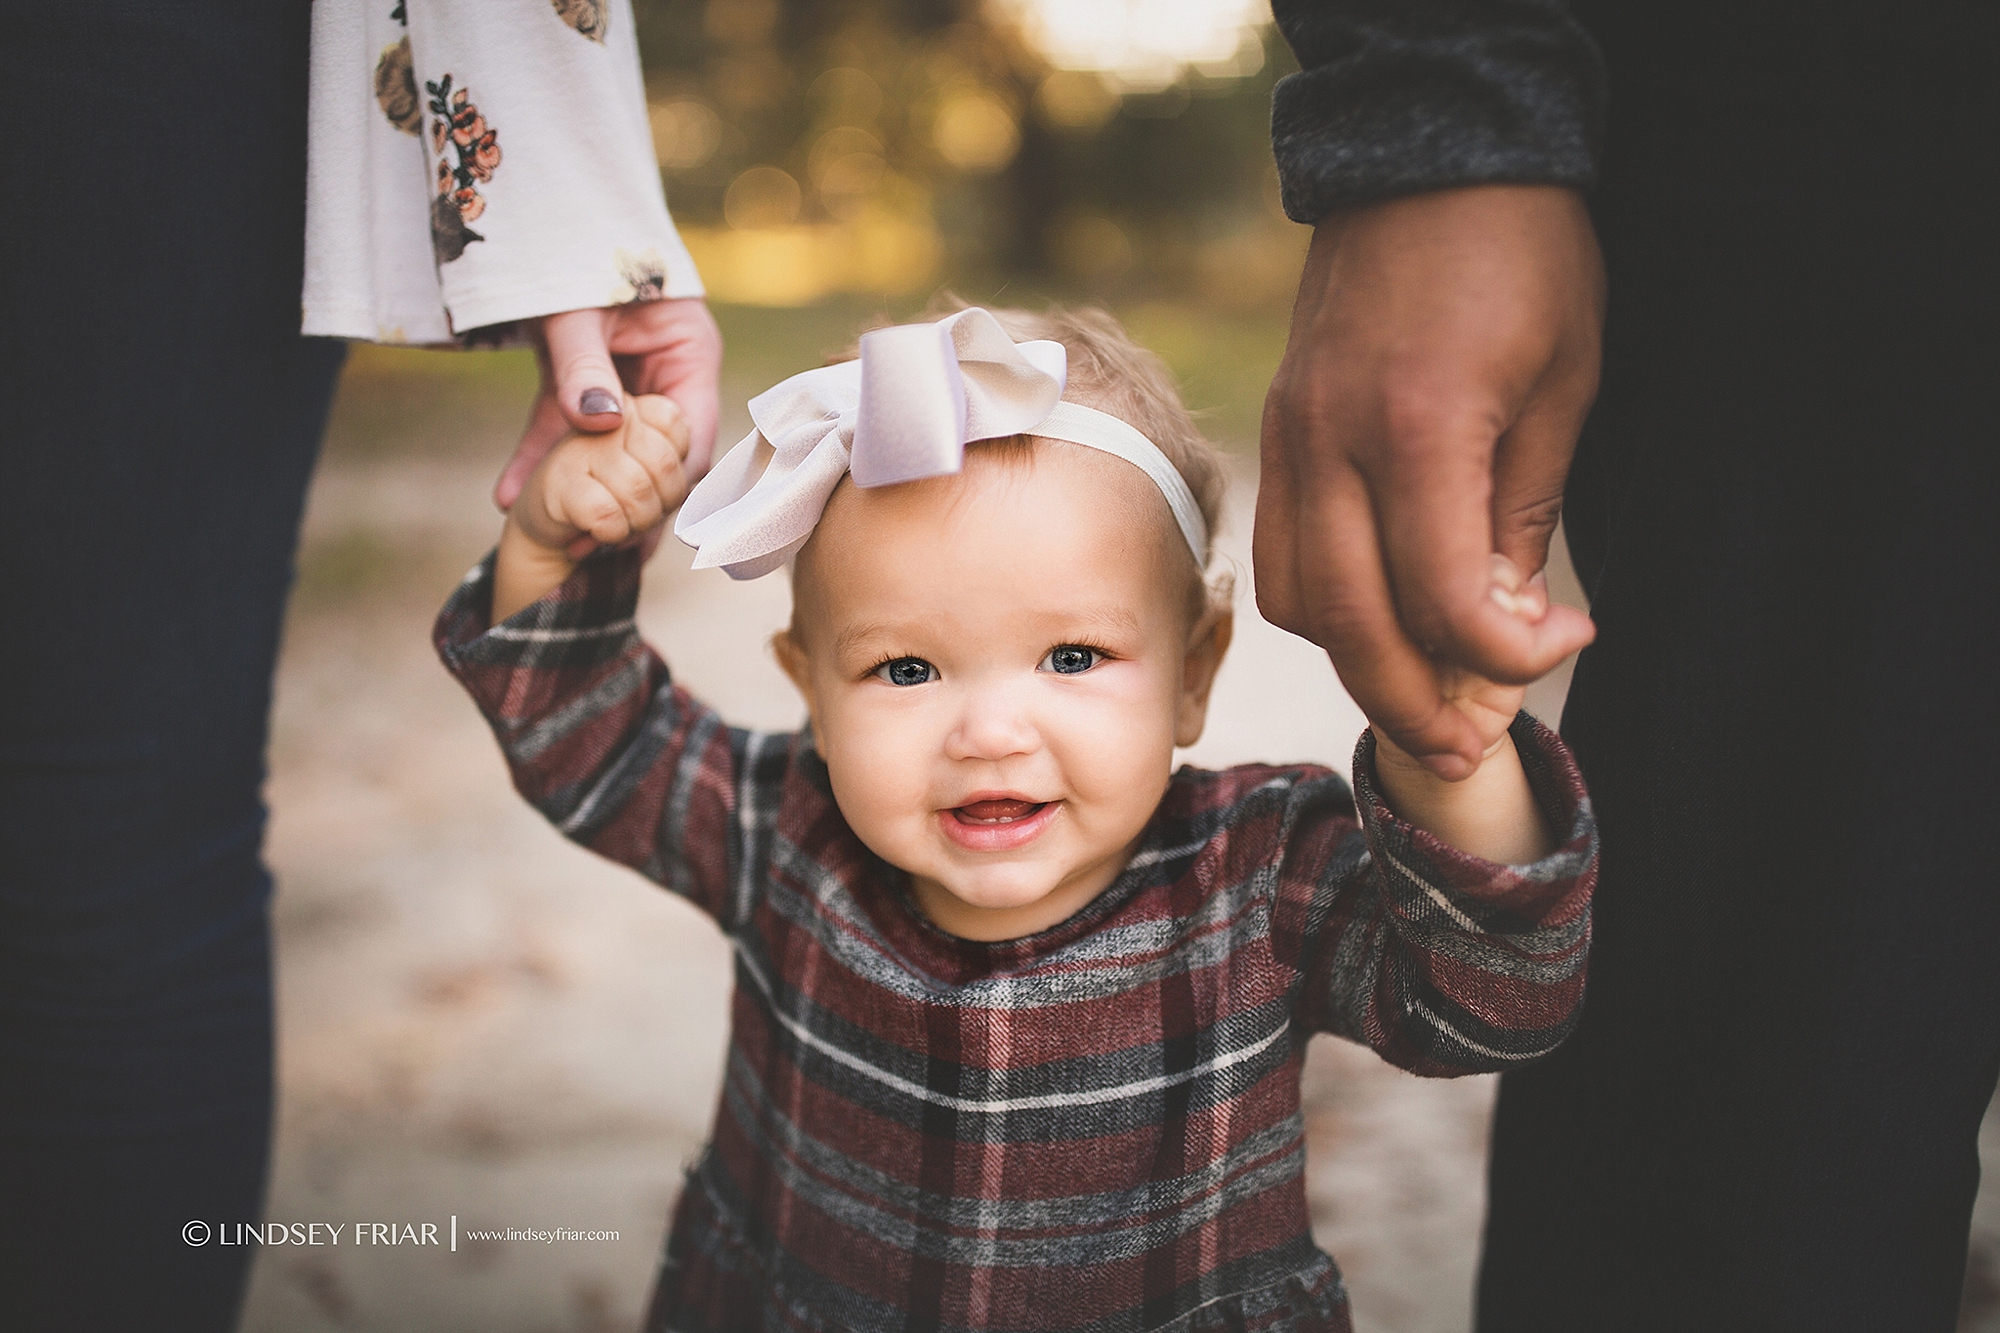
[1019, 1009]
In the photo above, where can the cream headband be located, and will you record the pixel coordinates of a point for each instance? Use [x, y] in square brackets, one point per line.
[906, 409]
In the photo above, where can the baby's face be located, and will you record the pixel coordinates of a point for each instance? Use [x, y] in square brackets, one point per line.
[998, 666]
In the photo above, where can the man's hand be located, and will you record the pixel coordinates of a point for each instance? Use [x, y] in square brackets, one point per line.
[1443, 354]
[590, 358]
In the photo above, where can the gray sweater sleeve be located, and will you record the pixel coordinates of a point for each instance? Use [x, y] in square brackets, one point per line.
[1398, 96]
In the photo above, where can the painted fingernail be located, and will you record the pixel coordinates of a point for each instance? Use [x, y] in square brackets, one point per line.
[598, 403]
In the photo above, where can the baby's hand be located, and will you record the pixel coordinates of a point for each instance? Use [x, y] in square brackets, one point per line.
[590, 489]
[1490, 705]
[1491, 812]
[607, 488]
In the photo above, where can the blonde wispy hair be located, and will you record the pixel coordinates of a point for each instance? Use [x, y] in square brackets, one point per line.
[1112, 373]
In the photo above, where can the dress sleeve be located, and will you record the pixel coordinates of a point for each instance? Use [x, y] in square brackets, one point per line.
[1398, 96]
[607, 747]
[1440, 962]
[475, 162]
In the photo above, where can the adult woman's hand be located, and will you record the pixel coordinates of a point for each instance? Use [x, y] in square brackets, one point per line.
[1443, 353]
[590, 358]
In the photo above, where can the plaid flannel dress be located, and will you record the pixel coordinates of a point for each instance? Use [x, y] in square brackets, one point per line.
[1093, 1128]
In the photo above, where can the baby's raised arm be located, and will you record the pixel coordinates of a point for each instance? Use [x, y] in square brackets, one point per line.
[590, 490]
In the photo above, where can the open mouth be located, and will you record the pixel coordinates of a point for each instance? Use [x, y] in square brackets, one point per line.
[982, 814]
[997, 823]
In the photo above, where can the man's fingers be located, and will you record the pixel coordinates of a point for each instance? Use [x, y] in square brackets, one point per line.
[581, 372]
[1319, 574]
[1350, 614]
[1274, 533]
[1531, 464]
[1530, 469]
[1437, 537]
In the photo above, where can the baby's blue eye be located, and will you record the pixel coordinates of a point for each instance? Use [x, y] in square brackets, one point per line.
[907, 671]
[1068, 659]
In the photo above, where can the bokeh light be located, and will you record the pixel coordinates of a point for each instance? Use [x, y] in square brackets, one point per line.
[975, 131]
[740, 22]
[763, 196]
[1092, 247]
[1075, 99]
[844, 95]
[1145, 45]
[686, 131]
[845, 165]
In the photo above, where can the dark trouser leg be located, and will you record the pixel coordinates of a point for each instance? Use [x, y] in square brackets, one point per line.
[158, 418]
[1785, 511]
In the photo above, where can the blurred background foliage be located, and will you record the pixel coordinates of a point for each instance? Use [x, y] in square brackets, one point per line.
[835, 162]
[880, 147]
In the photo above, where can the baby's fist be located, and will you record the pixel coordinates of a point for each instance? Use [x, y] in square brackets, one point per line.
[608, 488]
[1489, 705]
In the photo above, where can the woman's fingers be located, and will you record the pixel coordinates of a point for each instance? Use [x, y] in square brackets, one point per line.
[675, 349]
[580, 370]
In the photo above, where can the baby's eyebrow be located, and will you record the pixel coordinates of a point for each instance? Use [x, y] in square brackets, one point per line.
[856, 636]
[1089, 621]
[1108, 619]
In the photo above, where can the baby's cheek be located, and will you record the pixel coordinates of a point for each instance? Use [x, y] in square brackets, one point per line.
[1120, 755]
[877, 781]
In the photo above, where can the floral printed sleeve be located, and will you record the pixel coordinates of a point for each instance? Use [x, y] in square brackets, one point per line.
[476, 162]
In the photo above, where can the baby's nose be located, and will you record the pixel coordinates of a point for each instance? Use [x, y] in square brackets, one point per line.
[993, 725]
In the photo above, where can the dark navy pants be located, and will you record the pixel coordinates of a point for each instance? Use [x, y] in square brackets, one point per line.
[159, 416]
[1785, 511]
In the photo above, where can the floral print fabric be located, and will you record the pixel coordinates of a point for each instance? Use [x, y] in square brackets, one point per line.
[457, 127]
[472, 163]
[588, 17]
[396, 87]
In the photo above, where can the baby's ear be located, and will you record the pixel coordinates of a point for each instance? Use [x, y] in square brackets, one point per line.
[793, 661]
[1206, 648]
